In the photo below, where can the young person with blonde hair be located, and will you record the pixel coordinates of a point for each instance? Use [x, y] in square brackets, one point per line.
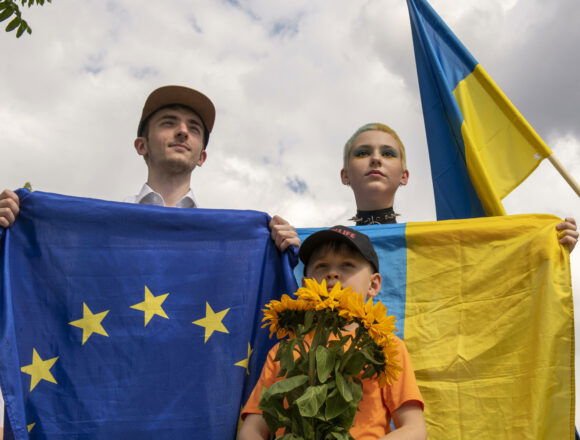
[374, 166]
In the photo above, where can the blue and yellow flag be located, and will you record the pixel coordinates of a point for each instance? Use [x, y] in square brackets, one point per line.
[485, 308]
[126, 321]
[480, 146]
[123, 321]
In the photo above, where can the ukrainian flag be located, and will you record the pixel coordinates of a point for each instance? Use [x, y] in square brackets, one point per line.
[485, 308]
[480, 146]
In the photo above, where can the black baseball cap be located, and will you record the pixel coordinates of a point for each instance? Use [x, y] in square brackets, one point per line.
[353, 238]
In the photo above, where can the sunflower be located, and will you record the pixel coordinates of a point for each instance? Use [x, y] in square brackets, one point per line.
[274, 309]
[352, 306]
[381, 327]
[281, 317]
[392, 368]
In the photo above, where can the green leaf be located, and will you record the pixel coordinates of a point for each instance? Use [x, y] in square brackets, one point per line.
[290, 437]
[356, 388]
[335, 405]
[343, 387]
[355, 364]
[23, 26]
[6, 13]
[338, 345]
[284, 386]
[324, 363]
[277, 412]
[312, 399]
[347, 417]
[367, 353]
[308, 428]
[296, 422]
[272, 422]
[300, 366]
[308, 318]
[285, 356]
[13, 24]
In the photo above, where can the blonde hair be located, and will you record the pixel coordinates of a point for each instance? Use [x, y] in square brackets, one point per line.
[369, 127]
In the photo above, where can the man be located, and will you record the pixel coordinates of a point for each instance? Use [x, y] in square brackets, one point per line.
[172, 137]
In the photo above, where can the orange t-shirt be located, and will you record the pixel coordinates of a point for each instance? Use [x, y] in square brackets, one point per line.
[377, 405]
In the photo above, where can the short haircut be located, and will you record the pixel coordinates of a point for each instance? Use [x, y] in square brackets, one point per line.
[369, 127]
[145, 126]
[336, 247]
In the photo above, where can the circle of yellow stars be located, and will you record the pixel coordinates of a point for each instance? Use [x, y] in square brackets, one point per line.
[92, 323]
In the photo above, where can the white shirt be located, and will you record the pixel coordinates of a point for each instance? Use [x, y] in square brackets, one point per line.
[149, 197]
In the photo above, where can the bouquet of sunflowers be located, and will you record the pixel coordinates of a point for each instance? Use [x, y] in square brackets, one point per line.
[333, 340]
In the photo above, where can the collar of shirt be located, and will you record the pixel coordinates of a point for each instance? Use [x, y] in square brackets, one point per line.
[149, 197]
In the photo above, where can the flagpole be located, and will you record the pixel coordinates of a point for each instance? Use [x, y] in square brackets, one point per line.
[565, 174]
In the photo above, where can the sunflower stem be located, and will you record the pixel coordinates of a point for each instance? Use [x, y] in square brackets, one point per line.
[350, 352]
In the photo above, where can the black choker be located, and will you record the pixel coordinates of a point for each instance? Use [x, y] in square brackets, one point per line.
[380, 217]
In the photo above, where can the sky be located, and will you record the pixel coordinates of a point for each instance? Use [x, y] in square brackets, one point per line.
[291, 82]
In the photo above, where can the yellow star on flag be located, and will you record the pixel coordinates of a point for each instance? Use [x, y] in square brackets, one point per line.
[151, 306]
[39, 369]
[90, 323]
[212, 321]
[245, 363]
[29, 427]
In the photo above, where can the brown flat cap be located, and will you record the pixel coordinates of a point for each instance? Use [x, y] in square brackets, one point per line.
[171, 95]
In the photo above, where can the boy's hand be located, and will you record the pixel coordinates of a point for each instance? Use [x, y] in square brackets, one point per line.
[9, 208]
[254, 428]
[283, 233]
[568, 234]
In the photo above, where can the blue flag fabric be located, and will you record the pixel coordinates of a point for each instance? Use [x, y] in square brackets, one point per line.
[126, 321]
[442, 62]
[480, 146]
[390, 243]
[485, 308]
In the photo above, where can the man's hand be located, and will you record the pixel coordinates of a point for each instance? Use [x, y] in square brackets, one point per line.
[9, 208]
[567, 233]
[283, 233]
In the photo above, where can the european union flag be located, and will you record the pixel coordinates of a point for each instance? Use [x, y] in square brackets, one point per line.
[125, 321]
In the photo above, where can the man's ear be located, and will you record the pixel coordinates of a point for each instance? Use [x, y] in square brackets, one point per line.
[375, 285]
[202, 158]
[140, 145]
[344, 177]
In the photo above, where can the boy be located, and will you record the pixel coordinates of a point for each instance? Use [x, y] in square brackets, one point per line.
[341, 254]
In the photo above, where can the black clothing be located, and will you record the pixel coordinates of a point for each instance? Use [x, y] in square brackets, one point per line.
[380, 217]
